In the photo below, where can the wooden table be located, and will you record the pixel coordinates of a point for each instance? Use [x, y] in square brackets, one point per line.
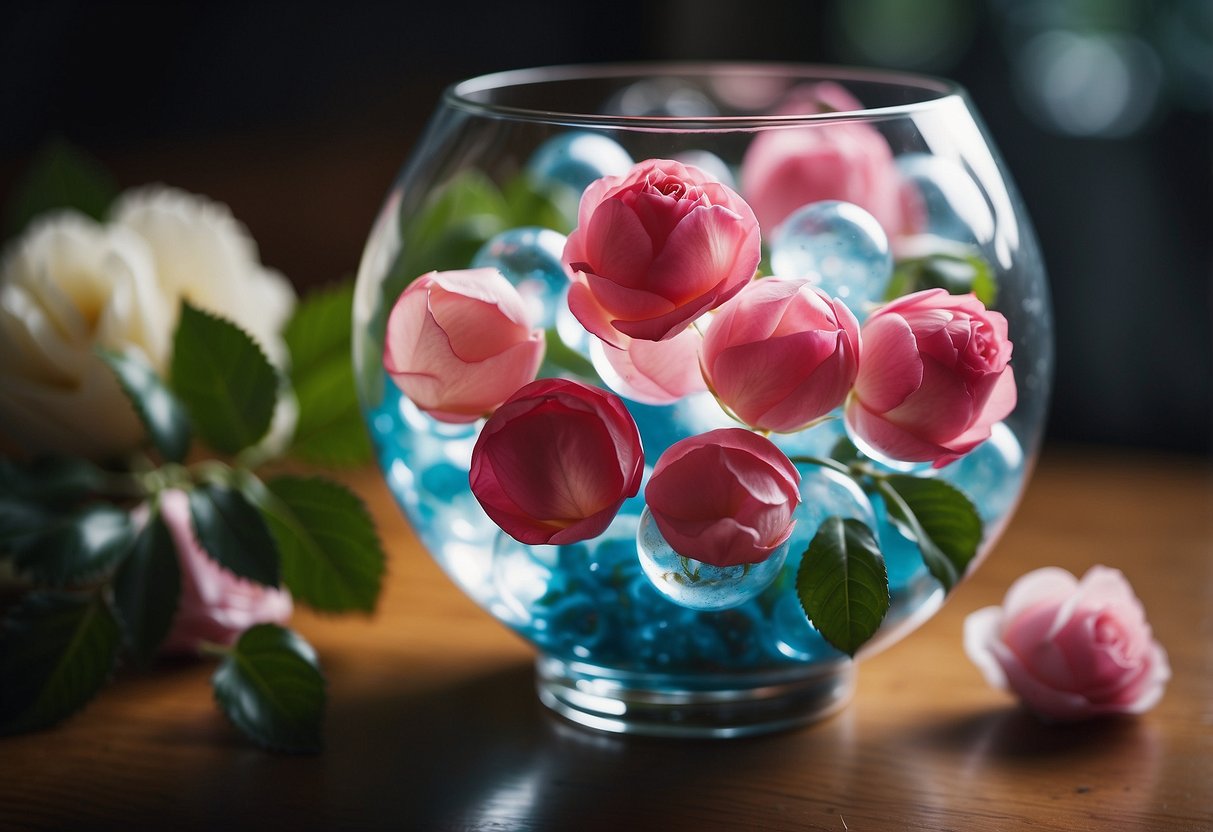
[433, 723]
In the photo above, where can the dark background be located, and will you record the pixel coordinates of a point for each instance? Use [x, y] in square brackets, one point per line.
[298, 116]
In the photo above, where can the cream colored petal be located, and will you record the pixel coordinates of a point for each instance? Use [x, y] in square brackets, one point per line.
[92, 419]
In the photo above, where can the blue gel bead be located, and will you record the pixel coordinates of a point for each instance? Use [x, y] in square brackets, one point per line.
[840, 247]
[526, 578]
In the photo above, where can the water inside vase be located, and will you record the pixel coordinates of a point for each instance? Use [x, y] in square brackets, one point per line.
[591, 602]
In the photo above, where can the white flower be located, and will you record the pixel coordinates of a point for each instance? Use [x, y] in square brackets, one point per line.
[67, 286]
[204, 255]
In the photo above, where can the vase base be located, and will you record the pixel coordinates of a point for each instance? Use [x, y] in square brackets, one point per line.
[669, 705]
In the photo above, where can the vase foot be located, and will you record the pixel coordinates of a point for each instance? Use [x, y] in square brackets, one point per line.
[673, 705]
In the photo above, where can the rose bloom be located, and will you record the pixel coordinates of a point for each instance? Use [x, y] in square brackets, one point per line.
[655, 372]
[555, 462]
[934, 377]
[69, 285]
[1070, 649]
[655, 249]
[202, 254]
[725, 497]
[458, 343]
[215, 605]
[850, 161]
[781, 354]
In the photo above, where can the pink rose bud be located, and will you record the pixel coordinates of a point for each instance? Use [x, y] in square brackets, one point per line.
[845, 160]
[1070, 649]
[556, 461]
[655, 249]
[934, 377]
[458, 343]
[215, 606]
[656, 372]
[781, 354]
[725, 497]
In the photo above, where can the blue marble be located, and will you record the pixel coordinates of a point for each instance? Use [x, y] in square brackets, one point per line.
[576, 158]
[952, 204]
[701, 586]
[529, 257]
[991, 475]
[840, 247]
[709, 163]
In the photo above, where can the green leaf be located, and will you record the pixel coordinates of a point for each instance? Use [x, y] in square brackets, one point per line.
[940, 518]
[842, 583]
[70, 548]
[50, 480]
[320, 328]
[163, 416]
[958, 268]
[147, 590]
[450, 228]
[329, 429]
[60, 176]
[56, 651]
[844, 451]
[21, 523]
[551, 206]
[559, 359]
[232, 532]
[331, 556]
[220, 374]
[271, 687]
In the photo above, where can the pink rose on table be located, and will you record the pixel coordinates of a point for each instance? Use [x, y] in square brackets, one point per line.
[556, 461]
[850, 161]
[934, 377]
[1070, 649]
[656, 372]
[458, 343]
[781, 354]
[725, 497]
[215, 606]
[655, 249]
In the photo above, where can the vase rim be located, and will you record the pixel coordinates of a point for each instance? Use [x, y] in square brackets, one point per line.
[476, 94]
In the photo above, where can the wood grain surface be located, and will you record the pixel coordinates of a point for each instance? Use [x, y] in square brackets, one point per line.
[433, 723]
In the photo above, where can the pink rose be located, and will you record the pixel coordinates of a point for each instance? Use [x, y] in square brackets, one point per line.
[850, 161]
[215, 606]
[556, 461]
[1070, 649]
[655, 249]
[458, 343]
[724, 497]
[655, 372]
[781, 354]
[934, 377]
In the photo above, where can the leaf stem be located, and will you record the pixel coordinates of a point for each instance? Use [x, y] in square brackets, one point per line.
[214, 650]
[824, 462]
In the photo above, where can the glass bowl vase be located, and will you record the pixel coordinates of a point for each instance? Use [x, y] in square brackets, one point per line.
[864, 187]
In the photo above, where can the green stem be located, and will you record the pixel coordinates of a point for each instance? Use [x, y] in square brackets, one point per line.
[824, 462]
[211, 470]
[210, 648]
[154, 480]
